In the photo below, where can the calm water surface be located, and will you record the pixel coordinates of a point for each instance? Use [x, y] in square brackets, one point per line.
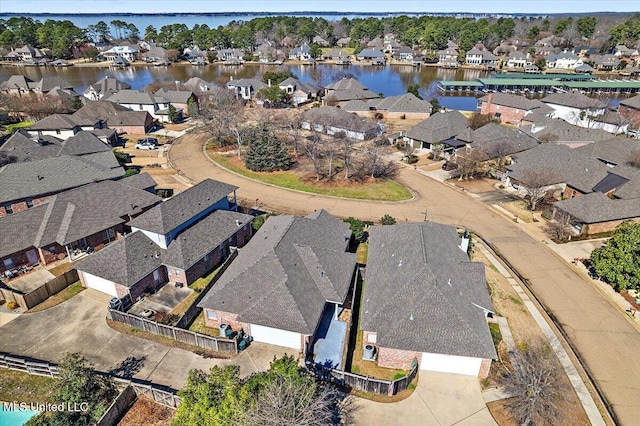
[389, 80]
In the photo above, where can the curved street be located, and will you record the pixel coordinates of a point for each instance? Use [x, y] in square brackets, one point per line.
[606, 340]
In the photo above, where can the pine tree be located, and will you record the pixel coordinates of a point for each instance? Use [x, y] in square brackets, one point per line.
[266, 153]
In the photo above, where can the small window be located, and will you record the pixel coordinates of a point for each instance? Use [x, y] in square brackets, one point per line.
[8, 208]
[57, 131]
[108, 235]
[211, 315]
[29, 203]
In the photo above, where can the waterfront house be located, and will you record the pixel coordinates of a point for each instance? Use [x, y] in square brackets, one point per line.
[564, 60]
[406, 106]
[575, 108]
[481, 58]
[518, 59]
[448, 58]
[245, 88]
[138, 100]
[129, 53]
[299, 91]
[370, 55]
[332, 120]
[345, 90]
[106, 86]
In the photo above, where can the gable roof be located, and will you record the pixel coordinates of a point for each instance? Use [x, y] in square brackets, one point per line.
[254, 83]
[72, 215]
[32, 178]
[338, 118]
[127, 96]
[55, 122]
[291, 266]
[140, 181]
[106, 85]
[423, 294]
[496, 141]
[633, 102]
[597, 207]
[347, 84]
[438, 127]
[113, 113]
[573, 100]
[407, 102]
[616, 150]
[509, 100]
[166, 216]
[174, 96]
[565, 132]
[300, 85]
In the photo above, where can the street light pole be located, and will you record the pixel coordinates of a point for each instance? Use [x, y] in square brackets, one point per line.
[425, 214]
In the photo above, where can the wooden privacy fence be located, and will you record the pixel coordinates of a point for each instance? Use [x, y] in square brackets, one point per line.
[160, 394]
[364, 383]
[40, 294]
[180, 334]
[193, 311]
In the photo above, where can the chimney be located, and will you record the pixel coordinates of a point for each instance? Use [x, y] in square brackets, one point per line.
[489, 102]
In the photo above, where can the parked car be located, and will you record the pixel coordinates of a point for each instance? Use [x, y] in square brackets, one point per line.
[146, 145]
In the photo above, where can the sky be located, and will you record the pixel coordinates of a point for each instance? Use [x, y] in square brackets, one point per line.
[365, 6]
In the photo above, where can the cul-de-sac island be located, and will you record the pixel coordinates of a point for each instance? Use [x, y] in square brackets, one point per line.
[371, 214]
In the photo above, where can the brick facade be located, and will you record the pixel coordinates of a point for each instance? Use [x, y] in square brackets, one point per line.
[485, 367]
[630, 114]
[224, 318]
[597, 228]
[147, 284]
[570, 192]
[397, 358]
[21, 205]
[508, 115]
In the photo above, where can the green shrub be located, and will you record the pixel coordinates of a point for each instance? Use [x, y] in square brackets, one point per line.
[12, 305]
[547, 214]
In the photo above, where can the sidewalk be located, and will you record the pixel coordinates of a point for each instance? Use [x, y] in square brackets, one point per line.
[595, 418]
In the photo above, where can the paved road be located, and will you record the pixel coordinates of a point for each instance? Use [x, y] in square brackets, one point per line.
[606, 340]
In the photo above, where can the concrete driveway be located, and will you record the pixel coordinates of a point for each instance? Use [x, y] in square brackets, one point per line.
[601, 332]
[78, 325]
[439, 399]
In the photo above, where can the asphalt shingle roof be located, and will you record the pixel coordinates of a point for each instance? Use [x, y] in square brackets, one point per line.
[166, 216]
[339, 118]
[106, 85]
[597, 207]
[292, 266]
[633, 102]
[573, 100]
[423, 294]
[509, 100]
[438, 127]
[406, 103]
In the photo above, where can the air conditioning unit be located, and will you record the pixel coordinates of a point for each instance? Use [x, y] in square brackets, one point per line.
[370, 353]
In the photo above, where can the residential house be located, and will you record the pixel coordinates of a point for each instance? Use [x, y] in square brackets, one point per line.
[287, 42]
[555, 130]
[584, 69]
[481, 58]
[197, 85]
[128, 53]
[180, 99]
[118, 118]
[404, 54]
[564, 60]
[390, 44]
[178, 240]
[246, 88]
[377, 43]
[575, 108]
[511, 109]
[448, 58]
[607, 62]
[424, 301]
[629, 109]
[621, 51]
[299, 91]
[345, 90]
[30, 53]
[193, 52]
[334, 120]
[19, 84]
[230, 55]
[298, 267]
[267, 52]
[64, 126]
[518, 59]
[320, 41]
[156, 54]
[343, 41]
[494, 141]
[138, 100]
[370, 55]
[610, 121]
[336, 55]
[431, 132]
[106, 86]
[401, 106]
[67, 223]
[301, 53]
[23, 146]
[584, 52]
[504, 49]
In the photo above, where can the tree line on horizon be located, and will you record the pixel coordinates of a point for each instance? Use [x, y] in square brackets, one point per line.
[430, 33]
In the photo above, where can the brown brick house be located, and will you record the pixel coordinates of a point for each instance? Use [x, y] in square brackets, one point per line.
[511, 109]
[425, 301]
[178, 240]
[288, 286]
[630, 110]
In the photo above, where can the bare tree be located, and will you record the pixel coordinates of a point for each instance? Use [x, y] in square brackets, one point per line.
[374, 161]
[469, 163]
[291, 122]
[330, 148]
[536, 183]
[537, 385]
[223, 117]
[346, 151]
[559, 229]
[286, 402]
[312, 148]
[499, 152]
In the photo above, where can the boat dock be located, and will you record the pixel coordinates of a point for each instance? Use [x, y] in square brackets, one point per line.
[561, 83]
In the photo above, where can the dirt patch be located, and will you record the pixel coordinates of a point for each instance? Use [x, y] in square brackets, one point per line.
[146, 412]
[521, 210]
[501, 413]
[477, 186]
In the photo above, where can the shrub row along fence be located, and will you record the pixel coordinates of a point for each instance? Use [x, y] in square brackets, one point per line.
[160, 394]
[193, 311]
[204, 341]
[40, 294]
[364, 383]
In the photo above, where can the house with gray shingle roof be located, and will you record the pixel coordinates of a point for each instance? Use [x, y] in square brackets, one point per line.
[288, 286]
[435, 129]
[180, 99]
[400, 106]
[299, 91]
[138, 100]
[424, 300]
[346, 90]
[117, 117]
[106, 86]
[246, 88]
[495, 141]
[630, 110]
[24, 147]
[511, 109]
[333, 120]
[575, 108]
[65, 224]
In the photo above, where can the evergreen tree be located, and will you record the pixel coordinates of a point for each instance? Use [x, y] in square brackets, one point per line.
[266, 153]
[174, 117]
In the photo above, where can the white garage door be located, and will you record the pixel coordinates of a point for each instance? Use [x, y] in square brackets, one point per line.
[450, 364]
[275, 336]
[100, 284]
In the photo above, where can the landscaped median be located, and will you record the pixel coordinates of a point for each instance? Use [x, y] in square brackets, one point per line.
[378, 190]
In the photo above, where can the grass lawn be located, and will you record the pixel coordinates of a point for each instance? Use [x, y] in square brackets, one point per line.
[24, 387]
[197, 287]
[58, 298]
[386, 190]
[20, 125]
[199, 326]
[519, 208]
[362, 252]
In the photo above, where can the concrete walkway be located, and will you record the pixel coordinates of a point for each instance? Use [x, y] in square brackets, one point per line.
[607, 340]
[79, 325]
[439, 399]
[584, 396]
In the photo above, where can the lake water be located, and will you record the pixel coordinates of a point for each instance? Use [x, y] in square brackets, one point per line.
[389, 80]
